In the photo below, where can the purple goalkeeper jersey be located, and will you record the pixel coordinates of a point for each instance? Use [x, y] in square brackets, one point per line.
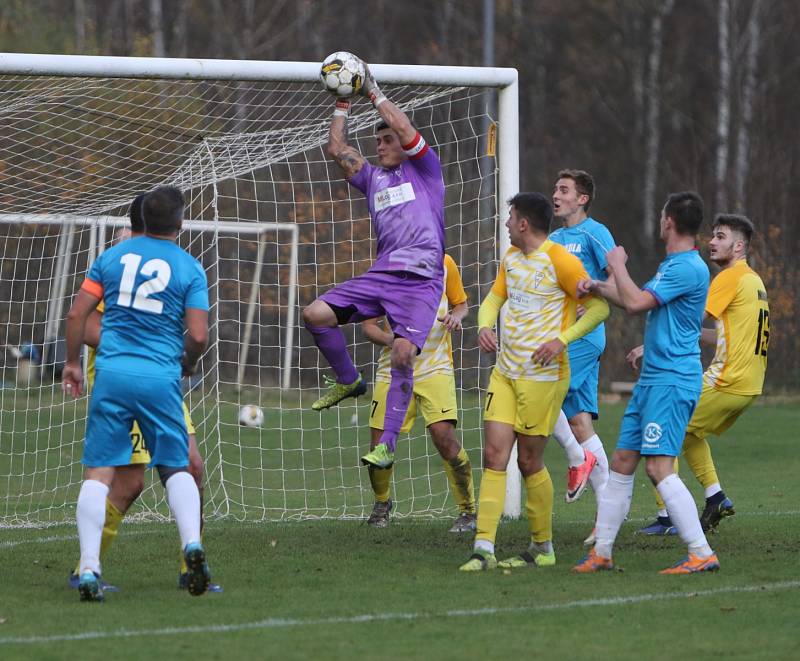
[406, 204]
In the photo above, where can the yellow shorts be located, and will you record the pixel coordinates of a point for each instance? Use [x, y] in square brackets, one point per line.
[717, 411]
[434, 398]
[140, 455]
[531, 407]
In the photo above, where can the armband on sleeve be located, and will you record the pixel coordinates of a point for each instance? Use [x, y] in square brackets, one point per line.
[417, 147]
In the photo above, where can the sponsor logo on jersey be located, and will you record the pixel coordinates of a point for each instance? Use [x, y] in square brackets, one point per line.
[394, 195]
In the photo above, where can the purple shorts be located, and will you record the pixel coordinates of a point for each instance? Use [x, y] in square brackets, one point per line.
[410, 302]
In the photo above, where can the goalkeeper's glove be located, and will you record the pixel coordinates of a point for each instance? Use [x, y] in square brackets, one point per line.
[370, 88]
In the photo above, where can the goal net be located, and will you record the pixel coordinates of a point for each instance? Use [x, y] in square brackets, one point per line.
[274, 224]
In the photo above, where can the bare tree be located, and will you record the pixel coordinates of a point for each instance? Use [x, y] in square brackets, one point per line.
[180, 29]
[157, 28]
[80, 26]
[742, 164]
[724, 105]
[652, 121]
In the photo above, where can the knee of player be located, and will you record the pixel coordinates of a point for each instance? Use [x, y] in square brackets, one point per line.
[657, 470]
[403, 354]
[444, 438]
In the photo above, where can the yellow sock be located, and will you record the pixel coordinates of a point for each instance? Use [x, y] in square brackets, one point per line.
[491, 503]
[539, 505]
[381, 481]
[698, 456]
[459, 474]
[659, 499]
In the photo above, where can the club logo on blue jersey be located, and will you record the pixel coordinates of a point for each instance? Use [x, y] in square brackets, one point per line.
[573, 247]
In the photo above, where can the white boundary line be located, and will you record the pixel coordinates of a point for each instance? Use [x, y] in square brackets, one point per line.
[282, 623]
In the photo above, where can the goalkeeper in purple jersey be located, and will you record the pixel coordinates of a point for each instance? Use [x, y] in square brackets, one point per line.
[405, 194]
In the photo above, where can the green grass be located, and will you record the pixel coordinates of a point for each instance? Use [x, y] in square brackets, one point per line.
[306, 585]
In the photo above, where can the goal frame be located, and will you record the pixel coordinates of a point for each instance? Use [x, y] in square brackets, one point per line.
[503, 79]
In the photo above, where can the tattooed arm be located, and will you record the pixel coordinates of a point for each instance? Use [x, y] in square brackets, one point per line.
[348, 158]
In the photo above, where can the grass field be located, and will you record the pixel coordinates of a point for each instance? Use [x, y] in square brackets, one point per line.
[339, 589]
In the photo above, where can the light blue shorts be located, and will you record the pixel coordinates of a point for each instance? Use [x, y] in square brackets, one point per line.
[584, 365]
[156, 404]
[655, 420]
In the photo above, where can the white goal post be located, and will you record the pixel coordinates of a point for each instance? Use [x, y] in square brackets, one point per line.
[244, 139]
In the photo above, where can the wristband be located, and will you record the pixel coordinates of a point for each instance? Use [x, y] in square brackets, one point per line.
[377, 98]
[342, 109]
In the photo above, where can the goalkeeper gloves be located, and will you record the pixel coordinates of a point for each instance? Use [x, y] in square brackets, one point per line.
[370, 88]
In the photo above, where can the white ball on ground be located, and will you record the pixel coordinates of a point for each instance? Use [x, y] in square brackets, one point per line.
[251, 416]
[354, 420]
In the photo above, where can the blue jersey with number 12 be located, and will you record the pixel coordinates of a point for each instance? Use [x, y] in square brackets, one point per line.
[147, 284]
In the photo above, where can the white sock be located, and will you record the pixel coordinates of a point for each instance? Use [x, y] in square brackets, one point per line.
[615, 502]
[566, 439]
[683, 513]
[484, 545]
[713, 489]
[663, 513]
[91, 515]
[184, 501]
[599, 475]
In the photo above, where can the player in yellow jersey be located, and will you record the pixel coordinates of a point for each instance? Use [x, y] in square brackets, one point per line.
[128, 481]
[737, 301]
[434, 397]
[537, 281]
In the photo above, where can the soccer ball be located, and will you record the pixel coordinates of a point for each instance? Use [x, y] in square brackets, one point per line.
[251, 416]
[342, 74]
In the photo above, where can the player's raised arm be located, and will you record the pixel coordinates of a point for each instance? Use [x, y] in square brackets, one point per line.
[389, 112]
[348, 158]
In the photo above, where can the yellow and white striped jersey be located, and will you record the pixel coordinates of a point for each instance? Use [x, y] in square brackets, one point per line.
[436, 356]
[540, 292]
[737, 299]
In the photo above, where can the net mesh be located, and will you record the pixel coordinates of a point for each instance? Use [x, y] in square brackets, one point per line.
[276, 225]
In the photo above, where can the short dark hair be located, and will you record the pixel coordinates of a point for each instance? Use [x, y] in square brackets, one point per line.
[686, 210]
[737, 223]
[381, 127]
[162, 210]
[534, 207]
[584, 183]
[135, 214]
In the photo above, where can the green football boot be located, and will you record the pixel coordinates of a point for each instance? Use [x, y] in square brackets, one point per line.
[338, 391]
[380, 457]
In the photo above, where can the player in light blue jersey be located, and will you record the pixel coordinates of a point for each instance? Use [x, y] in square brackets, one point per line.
[153, 290]
[589, 241]
[668, 388]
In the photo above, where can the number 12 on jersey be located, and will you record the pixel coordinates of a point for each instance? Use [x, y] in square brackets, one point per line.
[140, 301]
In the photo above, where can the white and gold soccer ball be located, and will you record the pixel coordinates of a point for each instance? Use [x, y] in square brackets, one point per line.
[251, 416]
[342, 74]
